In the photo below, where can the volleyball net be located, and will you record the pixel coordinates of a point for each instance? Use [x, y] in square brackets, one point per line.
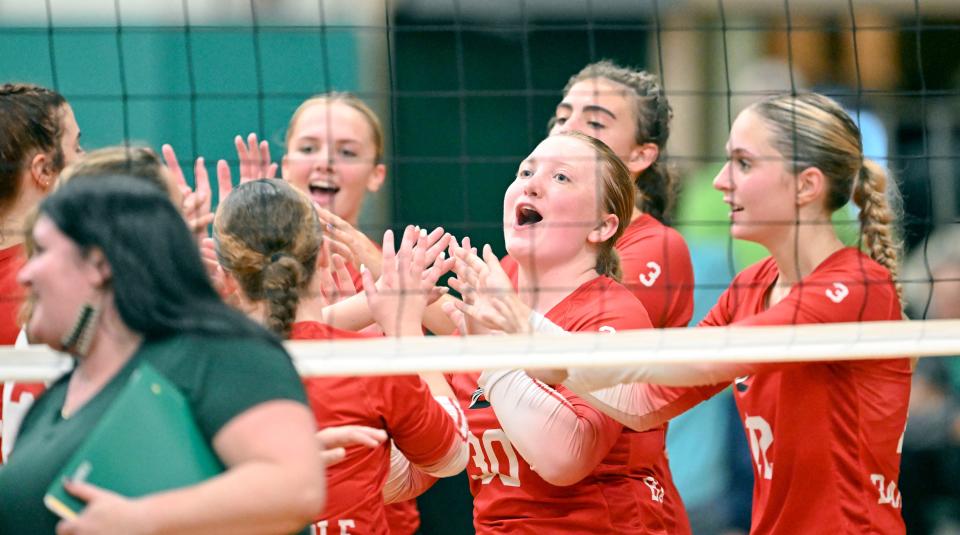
[466, 89]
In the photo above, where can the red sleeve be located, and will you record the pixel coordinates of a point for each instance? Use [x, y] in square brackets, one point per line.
[419, 426]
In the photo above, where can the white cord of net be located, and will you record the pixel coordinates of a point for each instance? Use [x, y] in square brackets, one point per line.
[389, 356]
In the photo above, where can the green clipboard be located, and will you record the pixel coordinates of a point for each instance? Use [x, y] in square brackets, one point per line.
[146, 442]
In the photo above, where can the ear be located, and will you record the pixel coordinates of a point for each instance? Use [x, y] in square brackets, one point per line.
[811, 186]
[41, 172]
[100, 271]
[376, 178]
[230, 284]
[642, 157]
[606, 228]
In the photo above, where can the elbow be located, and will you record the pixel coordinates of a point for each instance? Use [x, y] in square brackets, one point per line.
[308, 502]
[561, 474]
[454, 462]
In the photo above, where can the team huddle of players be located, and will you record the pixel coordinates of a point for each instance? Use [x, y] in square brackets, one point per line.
[558, 451]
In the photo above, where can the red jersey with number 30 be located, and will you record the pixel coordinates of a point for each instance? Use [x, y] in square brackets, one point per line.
[628, 491]
[402, 406]
[825, 438]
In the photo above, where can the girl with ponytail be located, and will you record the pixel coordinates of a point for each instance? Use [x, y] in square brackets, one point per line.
[268, 239]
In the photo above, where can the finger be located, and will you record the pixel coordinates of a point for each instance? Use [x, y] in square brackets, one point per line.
[272, 170]
[450, 309]
[369, 285]
[436, 293]
[202, 180]
[242, 156]
[340, 248]
[327, 285]
[344, 278]
[332, 457]
[224, 181]
[264, 163]
[170, 157]
[435, 236]
[83, 490]
[349, 435]
[388, 249]
[199, 224]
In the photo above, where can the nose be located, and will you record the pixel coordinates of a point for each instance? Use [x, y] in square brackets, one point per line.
[24, 276]
[324, 159]
[724, 179]
[532, 187]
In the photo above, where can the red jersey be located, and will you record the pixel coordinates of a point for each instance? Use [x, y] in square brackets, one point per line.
[15, 398]
[627, 490]
[11, 293]
[656, 267]
[403, 517]
[825, 437]
[401, 405]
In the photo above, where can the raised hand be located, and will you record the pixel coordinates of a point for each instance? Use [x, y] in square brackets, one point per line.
[195, 206]
[489, 303]
[406, 285]
[253, 159]
[335, 281]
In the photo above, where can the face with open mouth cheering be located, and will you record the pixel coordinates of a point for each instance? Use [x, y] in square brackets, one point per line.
[333, 155]
[554, 212]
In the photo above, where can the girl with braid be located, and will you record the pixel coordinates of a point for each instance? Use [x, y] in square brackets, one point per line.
[825, 437]
[268, 237]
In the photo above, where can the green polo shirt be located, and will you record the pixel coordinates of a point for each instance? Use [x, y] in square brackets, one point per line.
[220, 378]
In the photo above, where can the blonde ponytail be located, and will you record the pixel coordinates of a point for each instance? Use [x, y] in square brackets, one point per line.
[877, 218]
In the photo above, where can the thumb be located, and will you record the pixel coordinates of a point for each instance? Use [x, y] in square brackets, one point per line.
[84, 491]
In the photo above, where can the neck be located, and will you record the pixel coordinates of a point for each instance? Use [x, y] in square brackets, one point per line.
[636, 214]
[542, 287]
[13, 222]
[112, 347]
[802, 248]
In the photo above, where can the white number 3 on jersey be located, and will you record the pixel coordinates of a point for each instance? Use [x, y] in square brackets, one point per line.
[647, 279]
[838, 293]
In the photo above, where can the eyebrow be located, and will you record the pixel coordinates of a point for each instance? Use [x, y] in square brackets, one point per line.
[589, 108]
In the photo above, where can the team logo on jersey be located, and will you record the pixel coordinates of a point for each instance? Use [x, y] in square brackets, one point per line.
[647, 279]
[838, 293]
[656, 490]
[477, 400]
[740, 383]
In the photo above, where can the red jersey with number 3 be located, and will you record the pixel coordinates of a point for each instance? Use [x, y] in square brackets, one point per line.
[402, 406]
[629, 491]
[825, 438]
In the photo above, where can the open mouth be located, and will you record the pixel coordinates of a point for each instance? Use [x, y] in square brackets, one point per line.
[324, 189]
[528, 215]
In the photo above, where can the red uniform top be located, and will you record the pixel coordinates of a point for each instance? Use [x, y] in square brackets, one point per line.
[401, 405]
[825, 438]
[15, 398]
[627, 489]
[11, 293]
[656, 268]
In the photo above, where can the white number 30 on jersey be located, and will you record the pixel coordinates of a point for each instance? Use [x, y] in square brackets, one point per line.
[486, 460]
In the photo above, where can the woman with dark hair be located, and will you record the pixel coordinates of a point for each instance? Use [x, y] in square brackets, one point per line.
[116, 281]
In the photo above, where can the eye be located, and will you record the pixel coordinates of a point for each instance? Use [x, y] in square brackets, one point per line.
[306, 149]
[348, 153]
[744, 165]
[596, 125]
[524, 173]
[560, 177]
[559, 120]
